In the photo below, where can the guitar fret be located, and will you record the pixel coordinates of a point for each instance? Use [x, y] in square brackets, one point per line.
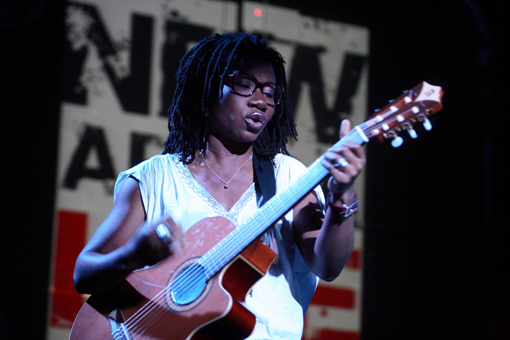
[277, 203]
[263, 215]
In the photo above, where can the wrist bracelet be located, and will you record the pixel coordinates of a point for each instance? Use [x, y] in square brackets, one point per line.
[345, 210]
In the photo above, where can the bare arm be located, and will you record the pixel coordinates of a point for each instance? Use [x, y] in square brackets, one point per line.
[121, 244]
[326, 242]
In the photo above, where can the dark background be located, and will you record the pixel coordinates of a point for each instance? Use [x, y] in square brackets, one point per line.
[436, 248]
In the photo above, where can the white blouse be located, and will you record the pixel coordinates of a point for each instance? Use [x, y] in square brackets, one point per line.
[281, 297]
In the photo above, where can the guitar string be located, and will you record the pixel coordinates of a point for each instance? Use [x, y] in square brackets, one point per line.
[183, 278]
[177, 282]
[141, 315]
[144, 325]
[385, 115]
[158, 298]
[156, 315]
[148, 307]
[153, 303]
[412, 104]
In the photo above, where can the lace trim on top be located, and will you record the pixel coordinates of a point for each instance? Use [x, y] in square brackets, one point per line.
[218, 209]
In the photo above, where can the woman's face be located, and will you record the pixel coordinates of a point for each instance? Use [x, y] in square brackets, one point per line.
[236, 119]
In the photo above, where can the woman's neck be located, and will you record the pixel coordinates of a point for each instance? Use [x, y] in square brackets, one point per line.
[217, 152]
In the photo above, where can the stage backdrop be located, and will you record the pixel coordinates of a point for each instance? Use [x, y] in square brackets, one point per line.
[121, 57]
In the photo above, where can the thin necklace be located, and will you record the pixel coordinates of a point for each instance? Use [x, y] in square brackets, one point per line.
[221, 179]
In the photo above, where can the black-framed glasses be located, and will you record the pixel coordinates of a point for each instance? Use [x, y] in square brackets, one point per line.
[245, 85]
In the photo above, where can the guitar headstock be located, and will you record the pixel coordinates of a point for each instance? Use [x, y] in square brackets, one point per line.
[403, 113]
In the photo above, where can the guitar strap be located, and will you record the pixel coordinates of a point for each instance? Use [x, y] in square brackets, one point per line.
[265, 187]
[265, 180]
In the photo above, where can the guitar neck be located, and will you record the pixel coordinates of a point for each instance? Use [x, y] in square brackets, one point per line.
[270, 212]
[398, 115]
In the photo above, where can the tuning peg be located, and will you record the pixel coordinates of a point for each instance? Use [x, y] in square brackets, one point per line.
[409, 127]
[397, 141]
[427, 125]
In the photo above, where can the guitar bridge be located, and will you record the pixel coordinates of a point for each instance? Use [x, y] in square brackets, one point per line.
[119, 331]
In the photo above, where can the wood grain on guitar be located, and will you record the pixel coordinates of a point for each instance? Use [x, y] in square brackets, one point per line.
[199, 293]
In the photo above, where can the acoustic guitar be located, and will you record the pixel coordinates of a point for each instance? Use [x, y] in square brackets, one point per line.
[199, 293]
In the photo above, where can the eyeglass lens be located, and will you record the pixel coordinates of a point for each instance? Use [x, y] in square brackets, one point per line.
[246, 86]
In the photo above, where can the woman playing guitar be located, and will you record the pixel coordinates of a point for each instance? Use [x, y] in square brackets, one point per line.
[229, 123]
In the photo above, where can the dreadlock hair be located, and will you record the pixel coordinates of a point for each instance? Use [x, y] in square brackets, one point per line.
[199, 82]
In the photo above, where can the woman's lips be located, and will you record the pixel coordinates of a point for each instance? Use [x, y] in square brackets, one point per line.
[256, 121]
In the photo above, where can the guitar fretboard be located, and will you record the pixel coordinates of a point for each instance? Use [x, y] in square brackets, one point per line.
[412, 106]
[270, 212]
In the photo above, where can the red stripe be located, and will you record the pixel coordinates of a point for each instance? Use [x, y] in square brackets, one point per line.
[330, 334]
[71, 234]
[355, 260]
[333, 297]
[327, 334]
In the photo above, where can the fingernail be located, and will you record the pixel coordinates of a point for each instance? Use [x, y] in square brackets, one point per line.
[329, 156]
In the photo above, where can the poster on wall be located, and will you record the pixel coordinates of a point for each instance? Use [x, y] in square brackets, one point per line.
[120, 60]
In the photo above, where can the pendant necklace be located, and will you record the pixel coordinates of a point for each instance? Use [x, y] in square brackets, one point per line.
[221, 179]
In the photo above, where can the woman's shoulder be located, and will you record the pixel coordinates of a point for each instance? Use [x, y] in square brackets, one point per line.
[156, 162]
[288, 168]
[151, 170]
[286, 161]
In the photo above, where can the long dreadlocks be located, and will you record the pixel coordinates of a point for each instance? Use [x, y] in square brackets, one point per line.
[200, 74]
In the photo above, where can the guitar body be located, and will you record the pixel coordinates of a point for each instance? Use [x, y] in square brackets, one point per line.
[154, 309]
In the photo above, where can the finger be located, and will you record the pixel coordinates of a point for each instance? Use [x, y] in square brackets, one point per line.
[339, 157]
[341, 175]
[354, 154]
[351, 151]
[336, 186]
[356, 149]
[345, 127]
[340, 154]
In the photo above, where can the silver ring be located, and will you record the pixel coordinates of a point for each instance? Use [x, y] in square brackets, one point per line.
[164, 236]
[340, 164]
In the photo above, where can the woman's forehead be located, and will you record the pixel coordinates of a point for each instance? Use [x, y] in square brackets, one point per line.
[256, 68]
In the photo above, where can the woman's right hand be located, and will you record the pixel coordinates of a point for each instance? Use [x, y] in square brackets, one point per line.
[123, 242]
[155, 242]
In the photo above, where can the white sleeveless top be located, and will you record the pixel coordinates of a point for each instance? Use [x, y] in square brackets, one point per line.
[281, 297]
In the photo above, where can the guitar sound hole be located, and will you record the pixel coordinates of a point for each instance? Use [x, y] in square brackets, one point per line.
[188, 284]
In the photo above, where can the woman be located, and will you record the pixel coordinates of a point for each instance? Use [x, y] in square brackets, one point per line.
[229, 112]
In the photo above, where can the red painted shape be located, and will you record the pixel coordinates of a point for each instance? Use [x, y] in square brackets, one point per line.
[355, 260]
[332, 334]
[333, 297]
[71, 234]
[328, 334]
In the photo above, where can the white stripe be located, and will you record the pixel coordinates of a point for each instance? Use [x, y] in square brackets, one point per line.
[362, 134]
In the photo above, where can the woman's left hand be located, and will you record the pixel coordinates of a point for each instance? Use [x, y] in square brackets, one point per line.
[344, 164]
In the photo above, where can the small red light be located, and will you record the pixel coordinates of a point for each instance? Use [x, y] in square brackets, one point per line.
[257, 12]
